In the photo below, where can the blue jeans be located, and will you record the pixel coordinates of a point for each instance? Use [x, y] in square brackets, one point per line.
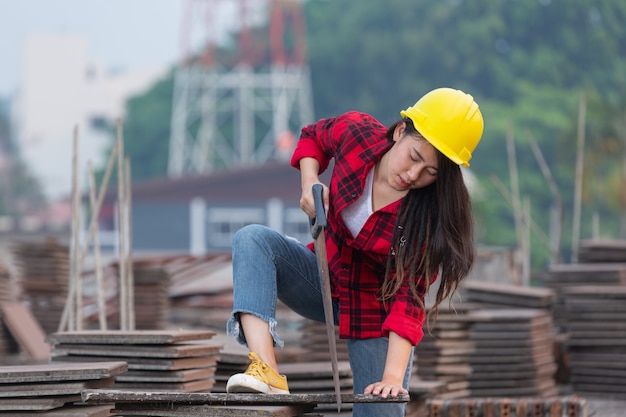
[268, 266]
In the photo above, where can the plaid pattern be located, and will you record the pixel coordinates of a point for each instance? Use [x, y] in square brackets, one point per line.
[356, 266]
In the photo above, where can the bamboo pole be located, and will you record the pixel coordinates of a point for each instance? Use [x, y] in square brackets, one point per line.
[578, 181]
[547, 174]
[517, 207]
[71, 297]
[102, 317]
[121, 206]
[130, 275]
[526, 261]
[67, 310]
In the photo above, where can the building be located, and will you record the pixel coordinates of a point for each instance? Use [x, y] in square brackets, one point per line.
[201, 213]
[62, 88]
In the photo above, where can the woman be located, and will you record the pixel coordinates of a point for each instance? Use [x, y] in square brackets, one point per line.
[398, 212]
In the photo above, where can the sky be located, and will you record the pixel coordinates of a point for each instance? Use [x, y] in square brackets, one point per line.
[121, 34]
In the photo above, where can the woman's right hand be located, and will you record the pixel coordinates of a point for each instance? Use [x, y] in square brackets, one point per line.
[309, 170]
[307, 203]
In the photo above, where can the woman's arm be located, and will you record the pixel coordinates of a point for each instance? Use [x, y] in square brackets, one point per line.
[398, 356]
[309, 169]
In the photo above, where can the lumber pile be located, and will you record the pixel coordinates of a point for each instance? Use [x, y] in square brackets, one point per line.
[512, 407]
[602, 250]
[506, 352]
[443, 353]
[43, 278]
[6, 295]
[314, 342]
[563, 276]
[151, 290]
[596, 323]
[512, 353]
[162, 360]
[499, 295]
[499, 341]
[54, 390]
[211, 404]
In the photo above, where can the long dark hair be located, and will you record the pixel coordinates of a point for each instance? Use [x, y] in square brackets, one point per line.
[434, 232]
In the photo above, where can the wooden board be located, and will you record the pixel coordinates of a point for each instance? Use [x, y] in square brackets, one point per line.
[26, 330]
[146, 351]
[135, 337]
[153, 364]
[61, 372]
[120, 396]
[185, 375]
[165, 410]
[508, 295]
[32, 404]
[52, 388]
[204, 385]
[66, 411]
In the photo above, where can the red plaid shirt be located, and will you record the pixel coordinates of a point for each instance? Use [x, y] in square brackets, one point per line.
[357, 266]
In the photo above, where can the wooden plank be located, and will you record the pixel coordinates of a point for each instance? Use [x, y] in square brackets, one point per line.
[32, 404]
[165, 410]
[154, 364]
[66, 411]
[121, 396]
[147, 351]
[506, 315]
[184, 387]
[25, 329]
[61, 371]
[52, 388]
[185, 375]
[314, 370]
[134, 337]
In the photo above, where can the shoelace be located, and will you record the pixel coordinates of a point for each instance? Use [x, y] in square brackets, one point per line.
[257, 369]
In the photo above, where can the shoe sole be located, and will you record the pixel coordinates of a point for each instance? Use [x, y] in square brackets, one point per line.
[242, 383]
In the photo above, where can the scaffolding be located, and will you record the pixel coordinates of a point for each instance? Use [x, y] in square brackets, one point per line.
[240, 111]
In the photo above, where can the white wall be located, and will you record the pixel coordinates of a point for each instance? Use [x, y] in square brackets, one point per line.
[61, 87]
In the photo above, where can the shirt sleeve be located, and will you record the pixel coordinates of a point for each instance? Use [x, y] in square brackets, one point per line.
[321, 139]
[406, 315]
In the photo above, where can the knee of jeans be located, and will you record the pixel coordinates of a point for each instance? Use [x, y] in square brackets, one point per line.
[248, 232]
[233, 328]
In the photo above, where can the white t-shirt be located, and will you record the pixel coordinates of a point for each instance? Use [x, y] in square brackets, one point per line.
[357, 213]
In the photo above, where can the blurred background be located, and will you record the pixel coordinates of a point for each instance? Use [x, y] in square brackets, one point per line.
[209, 97]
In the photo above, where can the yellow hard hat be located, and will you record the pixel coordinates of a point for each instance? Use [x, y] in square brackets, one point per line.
[450, 120]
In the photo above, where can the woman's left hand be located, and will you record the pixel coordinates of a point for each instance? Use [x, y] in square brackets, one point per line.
[385, 389]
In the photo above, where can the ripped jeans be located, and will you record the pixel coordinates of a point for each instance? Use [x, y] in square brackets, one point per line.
[267, 267]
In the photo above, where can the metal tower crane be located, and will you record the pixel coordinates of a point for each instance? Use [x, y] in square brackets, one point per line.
[239, 109]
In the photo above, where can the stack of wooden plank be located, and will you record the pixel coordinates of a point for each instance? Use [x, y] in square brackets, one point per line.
[43, 276]
[443, 352]
[6, 295]
[512, 353]
[314, 342]
[233, 359]
[54, 390]
[602, 251]
[573, 406]
[503, 351]
[596, 322]
[152, 305]
[496, 295]
[562, 276]
[157, 360]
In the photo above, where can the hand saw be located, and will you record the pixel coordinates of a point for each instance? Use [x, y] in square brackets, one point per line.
[318, 224]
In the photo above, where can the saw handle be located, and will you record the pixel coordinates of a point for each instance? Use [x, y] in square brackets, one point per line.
[319, 221]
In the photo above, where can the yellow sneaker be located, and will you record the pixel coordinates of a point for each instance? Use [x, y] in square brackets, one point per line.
[259, 377]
